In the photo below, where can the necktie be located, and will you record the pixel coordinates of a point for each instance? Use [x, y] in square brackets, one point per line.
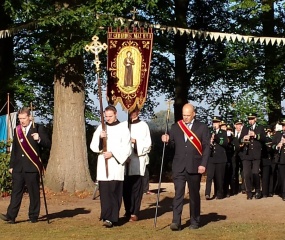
[25, 131]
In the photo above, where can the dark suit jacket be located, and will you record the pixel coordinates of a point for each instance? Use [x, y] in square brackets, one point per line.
[219, 147]
[237, 141]
[255, 145]
[186, 155]
[279, 153]
[19, 160]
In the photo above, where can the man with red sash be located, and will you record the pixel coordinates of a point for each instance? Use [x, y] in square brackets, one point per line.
[26, 166]
[190, 139]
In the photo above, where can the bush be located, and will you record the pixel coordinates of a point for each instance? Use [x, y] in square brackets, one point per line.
[5, 176]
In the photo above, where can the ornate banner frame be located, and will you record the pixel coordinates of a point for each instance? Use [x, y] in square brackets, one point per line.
[129, 56]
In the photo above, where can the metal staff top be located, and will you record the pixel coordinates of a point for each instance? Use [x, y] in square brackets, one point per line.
[96, 47]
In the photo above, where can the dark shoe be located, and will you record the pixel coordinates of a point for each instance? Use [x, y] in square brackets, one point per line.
[34, 220]
[192, 226]
[3, 217]
[207, 197]
[133, 218]
[249, 196]
[175, 227]
[219, 198]
[270, 195]
[127, 216]
[283, 198]
[7, 219]
[107, 224]
[11, 221]
[258, 195]
[243, 191]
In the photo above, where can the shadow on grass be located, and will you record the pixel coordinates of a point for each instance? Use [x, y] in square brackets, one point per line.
[164, 206]
[65, 214]
[207, 218]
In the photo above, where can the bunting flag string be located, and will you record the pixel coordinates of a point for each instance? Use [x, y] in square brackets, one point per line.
[215, 36]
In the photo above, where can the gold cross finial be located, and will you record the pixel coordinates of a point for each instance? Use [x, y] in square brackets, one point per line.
[169, 102]
[96, 47]
[134, 12]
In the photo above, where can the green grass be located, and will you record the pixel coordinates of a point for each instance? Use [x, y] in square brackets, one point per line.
[69, 228]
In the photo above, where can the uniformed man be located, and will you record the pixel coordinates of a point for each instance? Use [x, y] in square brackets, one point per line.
[251, 156]
[229, 182]
[240, 131]
[217, 161]
[267, 166]
[278, 145]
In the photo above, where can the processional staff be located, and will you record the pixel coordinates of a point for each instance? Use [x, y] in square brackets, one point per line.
[41, 170]
[169, 102]
[96, 47]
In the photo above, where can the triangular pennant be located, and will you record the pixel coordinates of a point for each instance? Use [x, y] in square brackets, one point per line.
[216, 36]
[228, 37]
[267, 40]
[279, 41]
[262, 39]
[239, 38]
[255, 39]
[188, 31]
[181, 30]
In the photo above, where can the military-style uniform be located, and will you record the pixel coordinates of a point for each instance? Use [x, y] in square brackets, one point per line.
[236, 160]
[217, 162]
[280, 157]
[268, 167]
[251, 157]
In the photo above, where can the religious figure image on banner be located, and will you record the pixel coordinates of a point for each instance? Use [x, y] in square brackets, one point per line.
[129, 64]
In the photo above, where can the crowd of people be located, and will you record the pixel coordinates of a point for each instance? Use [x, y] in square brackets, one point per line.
[247, 159]
[234, 159]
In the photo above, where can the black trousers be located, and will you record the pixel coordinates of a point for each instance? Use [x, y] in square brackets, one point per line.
[146, 180]
[251, 175]
[193, 181]
[269, 178]
[32, 182]
[281, 171]
[132, 194]
[216, 173]
[111, 199]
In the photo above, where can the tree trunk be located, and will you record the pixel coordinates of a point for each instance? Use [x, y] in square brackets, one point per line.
[6, 63]
[272, 78]
[180, 46]
[67, 169]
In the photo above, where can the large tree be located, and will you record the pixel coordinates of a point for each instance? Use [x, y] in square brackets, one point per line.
[6, 62]
[51, 53]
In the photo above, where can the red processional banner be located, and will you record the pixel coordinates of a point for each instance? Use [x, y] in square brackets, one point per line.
[129, 56]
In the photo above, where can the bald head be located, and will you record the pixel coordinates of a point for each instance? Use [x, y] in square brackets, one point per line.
[188, 113]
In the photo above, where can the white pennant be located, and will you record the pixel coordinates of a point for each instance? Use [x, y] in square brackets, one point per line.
[181, 30]
[239, 38]
[279, 41]
[216, 36]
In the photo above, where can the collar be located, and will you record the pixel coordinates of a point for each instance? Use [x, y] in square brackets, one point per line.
[113, 123]
[135, 121]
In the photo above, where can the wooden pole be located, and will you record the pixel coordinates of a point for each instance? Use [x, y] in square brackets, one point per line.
[96, 47]
[8, 120]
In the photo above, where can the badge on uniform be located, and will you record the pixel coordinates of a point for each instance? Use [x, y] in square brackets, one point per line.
[21, 140]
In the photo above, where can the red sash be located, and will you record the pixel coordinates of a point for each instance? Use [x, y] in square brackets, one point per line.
[28, 149]
[191, 136]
